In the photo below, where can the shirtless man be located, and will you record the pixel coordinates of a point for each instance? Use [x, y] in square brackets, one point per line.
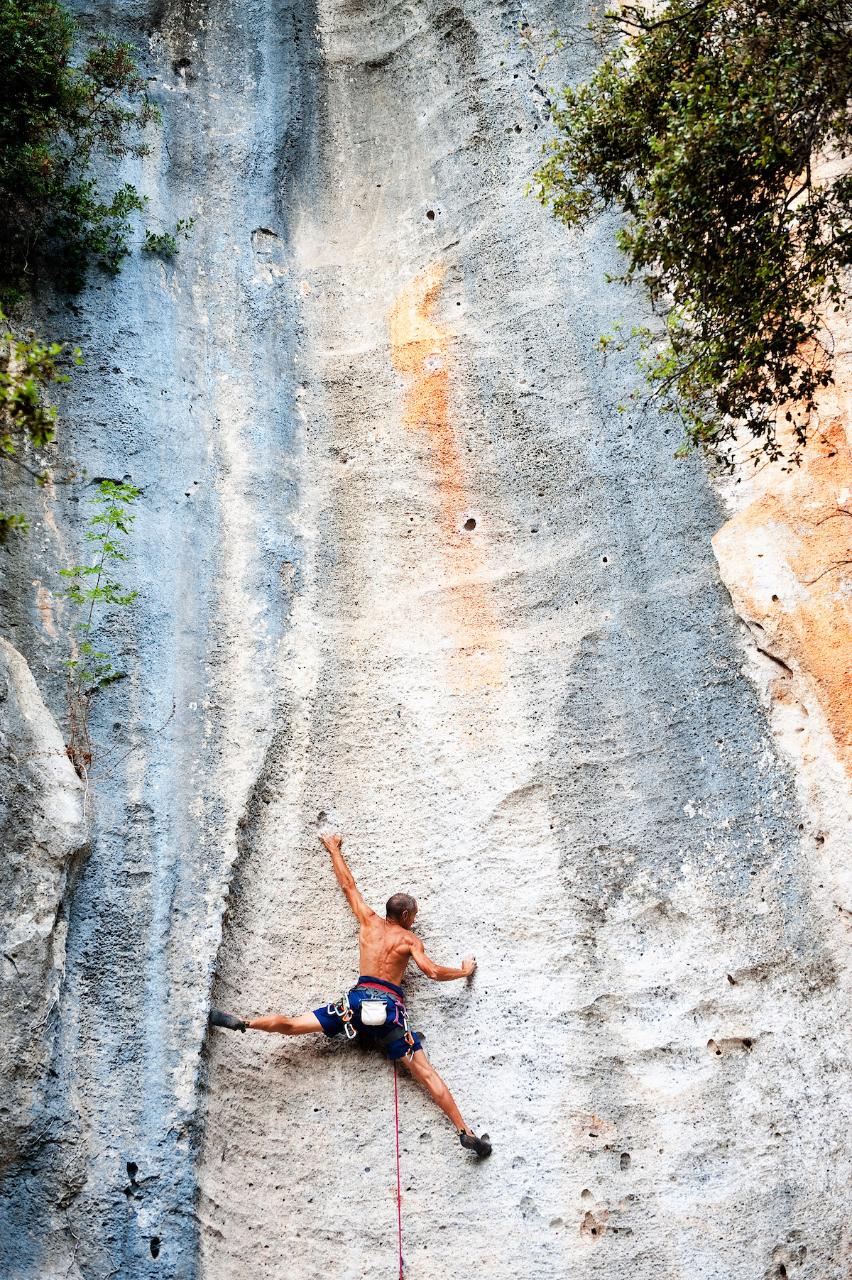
[386, 945]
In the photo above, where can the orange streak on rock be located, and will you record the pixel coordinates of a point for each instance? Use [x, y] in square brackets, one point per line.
[786, 559]
[421, 352]
[44, 604]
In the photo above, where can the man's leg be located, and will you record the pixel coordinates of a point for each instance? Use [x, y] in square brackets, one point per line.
[424, 1073]
[300, 1026]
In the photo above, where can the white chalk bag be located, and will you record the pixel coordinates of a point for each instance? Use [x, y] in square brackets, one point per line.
[374, 1013]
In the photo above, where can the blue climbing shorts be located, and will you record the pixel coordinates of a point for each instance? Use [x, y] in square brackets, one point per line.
[391, 1036]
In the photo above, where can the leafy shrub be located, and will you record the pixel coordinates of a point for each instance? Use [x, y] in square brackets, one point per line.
[705, 126]
[28, 368]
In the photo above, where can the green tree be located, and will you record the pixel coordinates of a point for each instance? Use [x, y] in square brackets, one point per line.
[56, 118]
[705, 123]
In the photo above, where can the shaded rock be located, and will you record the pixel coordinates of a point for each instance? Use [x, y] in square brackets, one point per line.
[42, 833]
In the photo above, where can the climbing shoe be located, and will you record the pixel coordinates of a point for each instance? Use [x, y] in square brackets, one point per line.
[228, 1020]
[479, 1146]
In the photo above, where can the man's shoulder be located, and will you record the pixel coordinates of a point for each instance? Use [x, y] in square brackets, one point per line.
[398, 933]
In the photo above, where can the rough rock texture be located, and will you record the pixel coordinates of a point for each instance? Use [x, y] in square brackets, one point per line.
[42, 833]
[400, 562]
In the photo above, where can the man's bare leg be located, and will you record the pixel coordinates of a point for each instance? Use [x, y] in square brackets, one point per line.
[302, 1025]
[424, 1073]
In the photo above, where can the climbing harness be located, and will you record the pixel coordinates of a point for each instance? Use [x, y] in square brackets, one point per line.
[372, 1013]
[398, 1178]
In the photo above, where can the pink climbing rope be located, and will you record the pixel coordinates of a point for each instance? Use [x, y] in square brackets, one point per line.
[398, 1179]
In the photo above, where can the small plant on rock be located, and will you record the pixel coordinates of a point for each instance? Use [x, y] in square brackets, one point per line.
[165, 243]
[91, 585]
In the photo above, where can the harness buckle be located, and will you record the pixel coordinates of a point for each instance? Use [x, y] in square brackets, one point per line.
[343, 1009]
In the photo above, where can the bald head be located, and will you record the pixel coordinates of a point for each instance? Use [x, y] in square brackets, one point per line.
[401, 908]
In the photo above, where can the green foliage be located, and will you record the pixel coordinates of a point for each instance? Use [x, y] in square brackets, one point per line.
[704, 126]
[28, 368]
[165, 243]
[55, 119]
[95, 584]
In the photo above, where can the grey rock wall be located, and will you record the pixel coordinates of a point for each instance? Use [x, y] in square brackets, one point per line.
[537, 722]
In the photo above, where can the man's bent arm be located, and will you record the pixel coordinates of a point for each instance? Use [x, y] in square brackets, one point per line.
[440, 972]
[345, 878]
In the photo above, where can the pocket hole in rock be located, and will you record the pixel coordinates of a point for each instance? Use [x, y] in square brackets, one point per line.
[591, 1226]
[154, 1246]
[430, 214]
[132, 1169]
[624, 1162]
[470, 524]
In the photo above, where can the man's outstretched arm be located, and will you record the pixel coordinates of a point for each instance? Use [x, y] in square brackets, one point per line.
[345, 878]
[440, 972]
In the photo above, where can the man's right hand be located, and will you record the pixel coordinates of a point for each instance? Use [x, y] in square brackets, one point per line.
[468, 966]
[331, 841]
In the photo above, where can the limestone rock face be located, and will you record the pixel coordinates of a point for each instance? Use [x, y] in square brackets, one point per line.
[403, 568]
[42, 835]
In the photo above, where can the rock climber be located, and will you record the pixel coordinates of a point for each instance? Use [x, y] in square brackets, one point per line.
[375, 1007]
